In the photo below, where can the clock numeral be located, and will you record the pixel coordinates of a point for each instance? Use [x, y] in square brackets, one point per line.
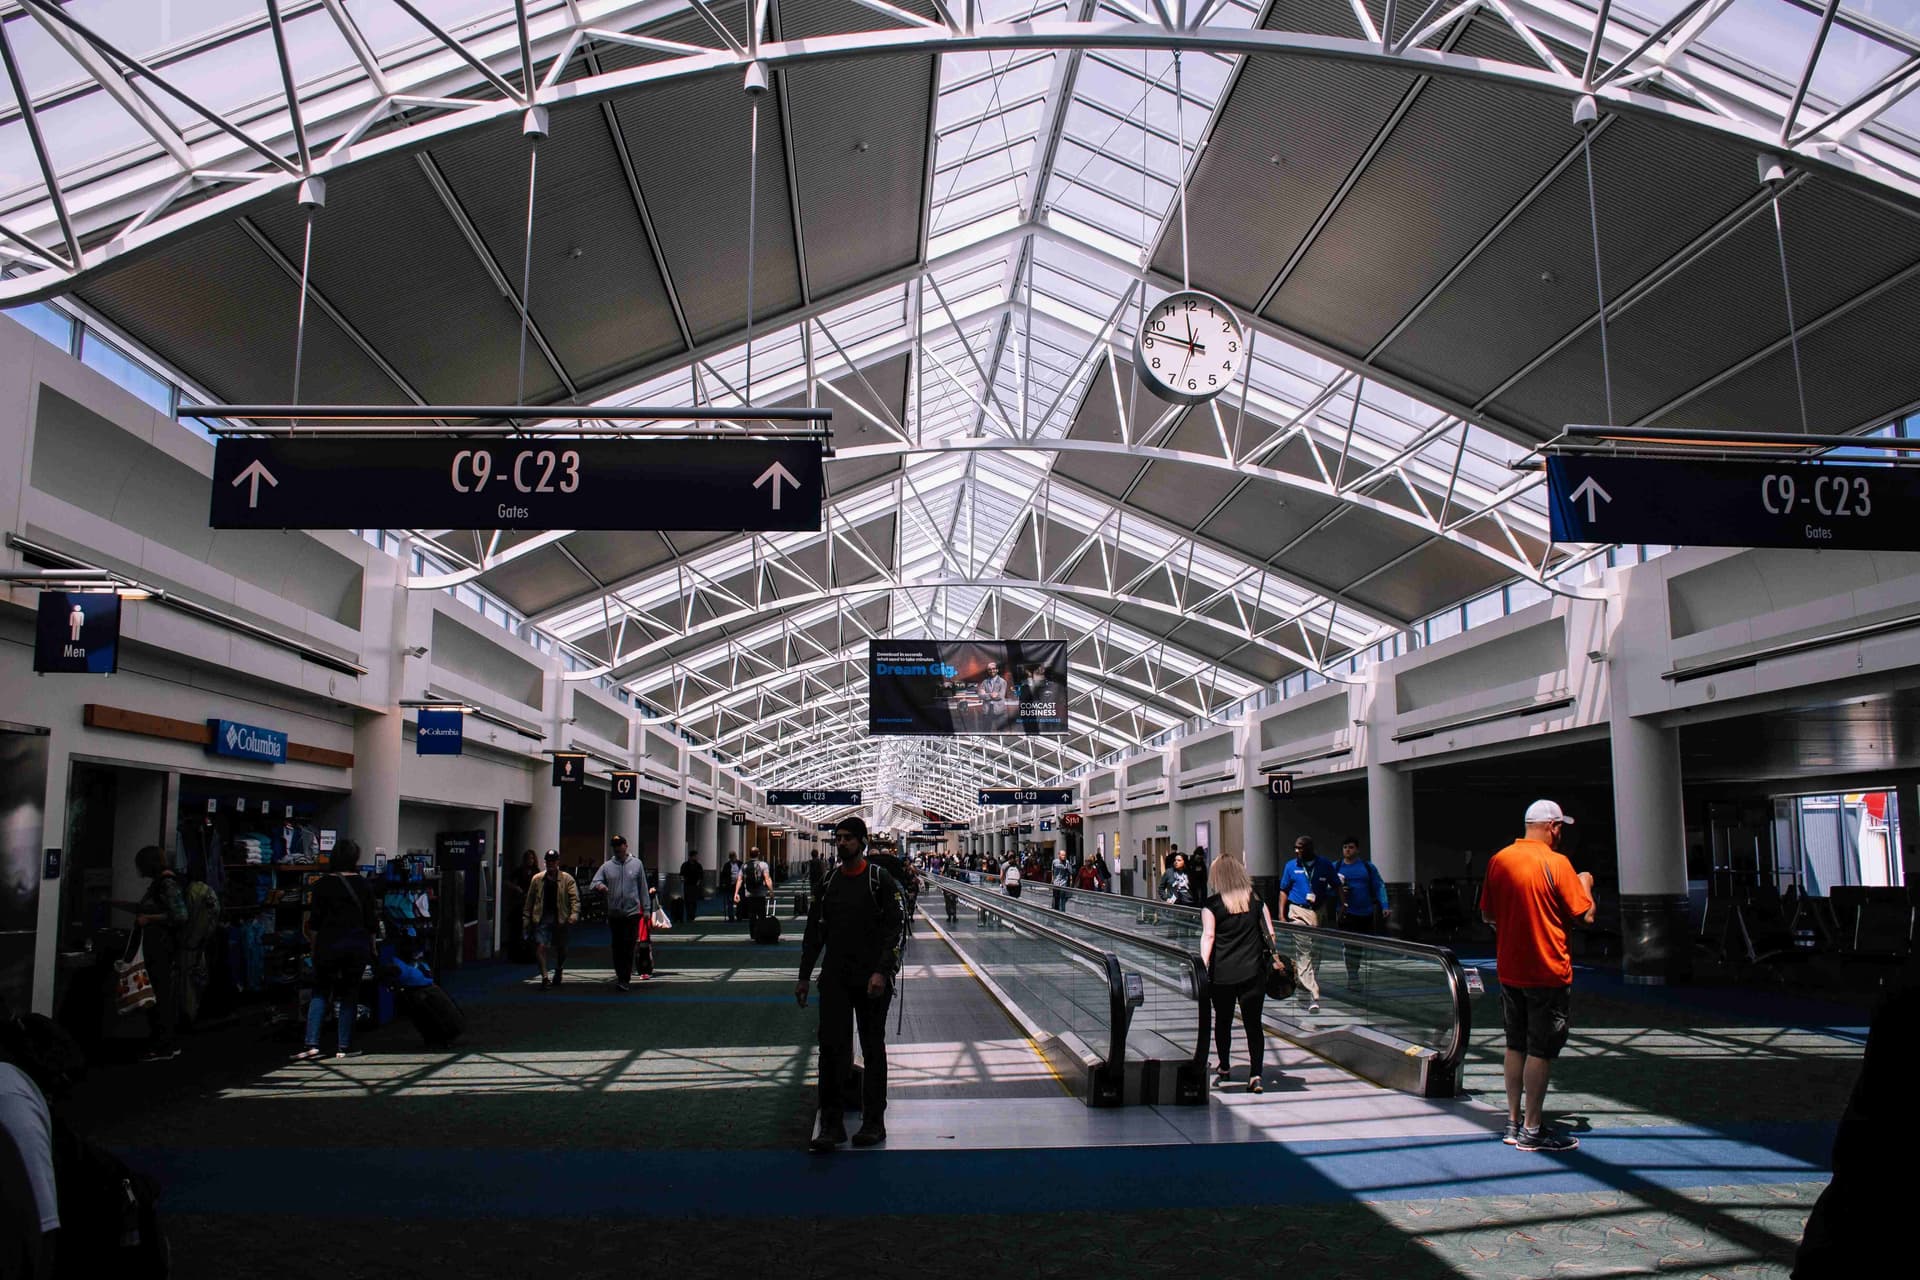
[1156, 362]
[1149, 344]
[1213, 379]
[1226, 364]
[1233, 346]
[1159, 326]
[1191, 384]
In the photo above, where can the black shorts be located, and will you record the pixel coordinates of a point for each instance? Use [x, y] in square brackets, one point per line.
[1537, 1019]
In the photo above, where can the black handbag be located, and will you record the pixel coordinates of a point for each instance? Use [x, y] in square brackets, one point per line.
[1281, 982]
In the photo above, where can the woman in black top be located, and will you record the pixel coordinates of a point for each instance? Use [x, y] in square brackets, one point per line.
[1233, 945]
[341, 908]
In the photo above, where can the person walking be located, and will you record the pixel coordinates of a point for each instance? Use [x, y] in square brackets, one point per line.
[161, 917]
[1197, 873]
[1175, 887]
[624, 881]
[1062, 879]
[693, 879]
[1363, 903]
[552, 906]
[754, 892]
[519, 941]
[860, 922]
[341, 909]
[1236, 937]
[1530, 894]
[733, 871]
[1011, 877]
[1302, 881]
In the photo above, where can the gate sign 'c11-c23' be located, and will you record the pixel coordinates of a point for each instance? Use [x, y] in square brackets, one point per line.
[1031, 795]
[1827, 506]
[515, 482]
[794, 799]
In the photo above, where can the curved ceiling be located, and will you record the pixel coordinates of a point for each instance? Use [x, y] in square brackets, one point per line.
[960, 210]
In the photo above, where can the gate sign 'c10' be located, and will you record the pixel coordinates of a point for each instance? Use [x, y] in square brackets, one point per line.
[1032, 795]
[515, 482]
[1709, 503]
[794, 799]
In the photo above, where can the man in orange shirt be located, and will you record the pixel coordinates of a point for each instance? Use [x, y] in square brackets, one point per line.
[1530, 894]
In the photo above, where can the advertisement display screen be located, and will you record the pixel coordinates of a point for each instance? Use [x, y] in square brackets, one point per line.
[950, 687]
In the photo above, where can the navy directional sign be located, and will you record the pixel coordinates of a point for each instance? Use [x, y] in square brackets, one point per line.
[1032, 795]
[1708, 503]
[515, 482]
[796, 798]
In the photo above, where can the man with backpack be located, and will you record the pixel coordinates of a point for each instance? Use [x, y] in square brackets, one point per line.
[860, 922]
[754, 890]
[1363, 902]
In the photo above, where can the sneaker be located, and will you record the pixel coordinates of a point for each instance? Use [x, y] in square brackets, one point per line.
[1220, 1077]
[556, 977]
[1313, 1006]
[1511, 1136]
[646, 977]
[545, 983]
[159, 1055]
[622, 986]
[1546, 1140]
[309, 1054]
[833, 1132]
[1256, 1085]
[350, 1053]
[872, 1134]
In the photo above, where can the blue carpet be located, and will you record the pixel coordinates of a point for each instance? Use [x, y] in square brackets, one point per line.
[473, 1184]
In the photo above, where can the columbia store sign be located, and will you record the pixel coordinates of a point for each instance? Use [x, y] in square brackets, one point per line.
[247, 742]
[440, 733]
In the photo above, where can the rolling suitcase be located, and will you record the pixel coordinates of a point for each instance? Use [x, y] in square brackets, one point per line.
[436, 1015]
[802, 904]
[765, 928]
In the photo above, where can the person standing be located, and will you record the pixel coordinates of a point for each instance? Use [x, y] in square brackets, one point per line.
[860, 922]
[341, 910]
[1302, 881]
[1363, 902]
[1530, 894]
[733, 872]
[1010, 878]
[693, 878]
[1235, 939]
[624, 881]
[552, 906]
[1062, 879]
[161, 917]
[1197, 873]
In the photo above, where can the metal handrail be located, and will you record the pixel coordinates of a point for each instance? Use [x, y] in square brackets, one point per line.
[1196, 967]
[1450, 1056]
[1120, 1013]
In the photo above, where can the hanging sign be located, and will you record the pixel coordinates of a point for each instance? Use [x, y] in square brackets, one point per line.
[78, 633]
[795, 798]
[516, 483]
[569, 769]
[440, 733]
[1710, 503]
[1279, 784]
[1032, 795]
[247, 742]
[737, 818]
[626, 785]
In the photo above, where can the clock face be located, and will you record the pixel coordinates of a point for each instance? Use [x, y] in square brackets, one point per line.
[1190, 348]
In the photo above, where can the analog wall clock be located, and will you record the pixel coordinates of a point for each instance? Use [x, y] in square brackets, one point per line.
[1189, 348]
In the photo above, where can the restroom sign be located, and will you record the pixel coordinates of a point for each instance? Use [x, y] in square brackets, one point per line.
[78, 633]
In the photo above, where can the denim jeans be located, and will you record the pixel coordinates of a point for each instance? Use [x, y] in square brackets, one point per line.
[317, 1014]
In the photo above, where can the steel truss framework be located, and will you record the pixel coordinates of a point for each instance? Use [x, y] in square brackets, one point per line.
[1014, 326]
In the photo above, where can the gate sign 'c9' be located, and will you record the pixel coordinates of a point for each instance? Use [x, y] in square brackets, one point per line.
[516, 483]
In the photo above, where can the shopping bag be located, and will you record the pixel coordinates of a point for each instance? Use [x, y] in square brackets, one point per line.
[133, 988]
[661, 920]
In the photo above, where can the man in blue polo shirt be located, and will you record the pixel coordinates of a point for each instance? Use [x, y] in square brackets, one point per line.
[1306, 883]
[1363, 901]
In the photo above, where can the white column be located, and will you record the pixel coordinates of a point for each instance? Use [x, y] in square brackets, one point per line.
[374, 812]
[1650, 829]
[673, 836]
[543, 820]
[623, 819]
[709, 838]
[1390, 831]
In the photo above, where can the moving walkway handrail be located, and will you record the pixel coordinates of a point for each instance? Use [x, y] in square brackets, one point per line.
[1189, 958]
[1460, 1034]
[1120, 1014]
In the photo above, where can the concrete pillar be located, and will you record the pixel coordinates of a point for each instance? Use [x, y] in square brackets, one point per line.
[543, 819]
[672, 850]
[1126, 850]
[1390, 834]
[375, 808]
[729, 843]
[623, 819]
[1260, 834]
[1651, 829]
[708, 838]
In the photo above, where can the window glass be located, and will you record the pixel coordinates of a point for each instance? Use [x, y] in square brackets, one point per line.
[98, 353]
[50, 324]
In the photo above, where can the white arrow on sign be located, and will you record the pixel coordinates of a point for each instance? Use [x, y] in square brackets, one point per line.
[776, 473]
[256, 473]
[1590, 490]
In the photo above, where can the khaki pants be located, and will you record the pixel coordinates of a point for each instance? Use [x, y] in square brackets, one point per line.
[1306, 970]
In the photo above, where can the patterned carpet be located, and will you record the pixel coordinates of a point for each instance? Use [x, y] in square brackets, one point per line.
[689, 1099]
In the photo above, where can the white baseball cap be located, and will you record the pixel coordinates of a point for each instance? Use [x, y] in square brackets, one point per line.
[1545, 811]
